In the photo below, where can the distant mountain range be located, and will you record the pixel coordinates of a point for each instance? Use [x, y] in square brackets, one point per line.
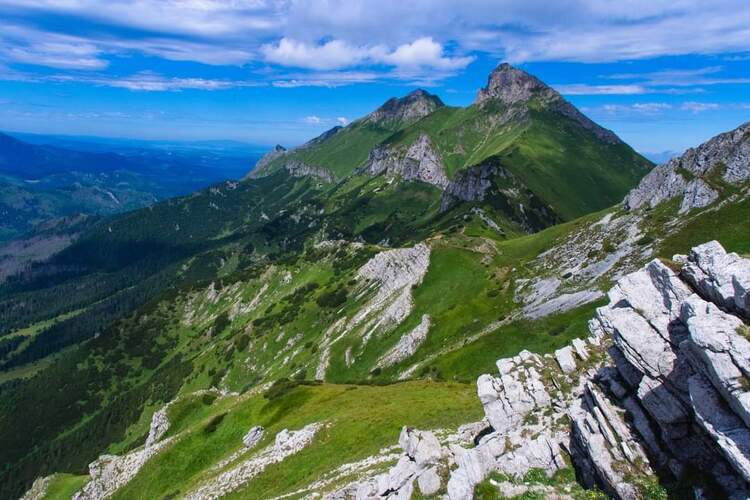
[56, 176]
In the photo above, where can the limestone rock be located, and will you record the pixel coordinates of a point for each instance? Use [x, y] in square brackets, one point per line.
[253, 436]
[564, 357]
[720, 276]
[407, 345]
[407, 109]
[420, 162]
[266, 160]
[518, 390]
[286, 443]
[726, 156]
[159, 426]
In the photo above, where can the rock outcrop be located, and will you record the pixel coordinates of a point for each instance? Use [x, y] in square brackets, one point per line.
[287, 443]
[513, 87]
[419, 162]
[401, 111]
[697, 176]
[297, 168]
[277, 152]
[661, 387]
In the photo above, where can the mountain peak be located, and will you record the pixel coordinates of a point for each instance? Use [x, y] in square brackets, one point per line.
[410, 108]
[511, 85]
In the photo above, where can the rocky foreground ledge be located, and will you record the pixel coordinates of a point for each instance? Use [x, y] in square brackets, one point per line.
[660, 389]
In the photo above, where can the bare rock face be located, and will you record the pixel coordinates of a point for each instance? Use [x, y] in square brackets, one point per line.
[683, 363]
[694, 175]
[720, 276]
[407, 109]
[300, 169]
[286, 444]
[660, 387]
[419, 162]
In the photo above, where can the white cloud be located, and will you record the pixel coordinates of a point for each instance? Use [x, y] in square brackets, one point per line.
[312, 120]
[651, 107]
[338, 54]
[423, 52]
[699, 107]
[416, 41]
[344, 121]
[147, 81]
[333, 54]
[585, 89]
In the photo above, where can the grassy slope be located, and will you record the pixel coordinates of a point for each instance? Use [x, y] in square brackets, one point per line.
[565, 165]
[342, 153]
[363, 419]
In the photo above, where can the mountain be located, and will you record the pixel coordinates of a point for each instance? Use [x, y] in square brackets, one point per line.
[40, 182]
[519, 136]
[280, 335]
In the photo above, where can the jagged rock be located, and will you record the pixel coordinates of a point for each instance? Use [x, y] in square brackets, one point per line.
[253, 436]
[726, 156]
[421, 446]
[517, 391]
[697, 194]
[297, 168]
[716, 349]
[470, 184]
[159, 426]
[429, 482]
[730, 433]
[720, 276]
[38, 490]
[407, 109]
[111, 472]
[420, 162]
[564, 357]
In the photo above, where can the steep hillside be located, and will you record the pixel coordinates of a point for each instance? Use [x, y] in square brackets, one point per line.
[339, 151]
[519, 136]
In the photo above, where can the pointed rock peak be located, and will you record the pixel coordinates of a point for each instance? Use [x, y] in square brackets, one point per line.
[512, 85]
[410, 108]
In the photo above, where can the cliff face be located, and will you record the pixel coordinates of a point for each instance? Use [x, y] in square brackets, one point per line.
[699, 175]
[420, 162]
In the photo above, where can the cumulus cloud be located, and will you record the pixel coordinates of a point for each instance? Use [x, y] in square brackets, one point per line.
[312, 120]
[337, 54]
[344, 121]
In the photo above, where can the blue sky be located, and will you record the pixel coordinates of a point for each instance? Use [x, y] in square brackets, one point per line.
[664, 75]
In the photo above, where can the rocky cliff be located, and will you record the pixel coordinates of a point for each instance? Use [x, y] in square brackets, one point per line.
[420, 161]
[699, 175]
[659, 391]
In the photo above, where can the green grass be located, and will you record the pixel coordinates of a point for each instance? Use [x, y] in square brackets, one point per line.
[362, 419]
[540, 336]
[62, 486]
[729, 225]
